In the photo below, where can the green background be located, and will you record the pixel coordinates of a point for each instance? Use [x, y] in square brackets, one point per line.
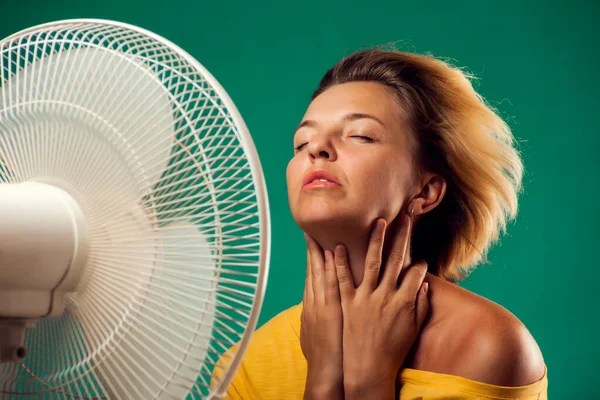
[537, 62]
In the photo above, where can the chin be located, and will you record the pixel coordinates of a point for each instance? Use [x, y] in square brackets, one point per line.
[330, 222]
[312, 220]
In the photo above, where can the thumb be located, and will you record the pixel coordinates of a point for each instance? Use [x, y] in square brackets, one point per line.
[422, 304]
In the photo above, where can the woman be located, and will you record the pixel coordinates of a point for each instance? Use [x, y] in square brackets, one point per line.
[396, 159]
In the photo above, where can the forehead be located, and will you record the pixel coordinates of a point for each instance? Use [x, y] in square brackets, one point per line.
[360, 97]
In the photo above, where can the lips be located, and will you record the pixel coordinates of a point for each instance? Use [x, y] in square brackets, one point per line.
[319, 177]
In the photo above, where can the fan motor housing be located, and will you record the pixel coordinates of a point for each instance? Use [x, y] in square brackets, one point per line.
[43, 249]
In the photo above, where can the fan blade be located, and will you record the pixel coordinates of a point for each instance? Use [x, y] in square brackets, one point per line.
[160, 349]
[89, 108]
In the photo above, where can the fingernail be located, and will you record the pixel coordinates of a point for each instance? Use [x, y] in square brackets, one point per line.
[305, 235]
[425, 287]
[410, 210]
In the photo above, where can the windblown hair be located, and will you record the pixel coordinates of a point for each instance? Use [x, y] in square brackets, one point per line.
[457, 135]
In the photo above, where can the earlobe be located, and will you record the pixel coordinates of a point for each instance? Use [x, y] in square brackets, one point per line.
[410, 210]
[432, 194]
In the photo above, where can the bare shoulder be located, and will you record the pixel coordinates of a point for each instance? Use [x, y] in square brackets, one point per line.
[475, 338]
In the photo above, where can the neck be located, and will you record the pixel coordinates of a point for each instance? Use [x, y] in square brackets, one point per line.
[356, 242]
[356, 249]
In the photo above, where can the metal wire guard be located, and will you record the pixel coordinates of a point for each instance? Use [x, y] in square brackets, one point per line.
[161, 163]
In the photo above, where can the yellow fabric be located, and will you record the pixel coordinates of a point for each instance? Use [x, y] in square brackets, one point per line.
[274, 368]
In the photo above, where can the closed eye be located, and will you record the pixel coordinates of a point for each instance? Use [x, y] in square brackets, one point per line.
[299, 147]
[366, 138]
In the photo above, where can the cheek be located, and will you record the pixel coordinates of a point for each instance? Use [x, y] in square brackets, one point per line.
[375, 173]
[292, 174]
[384, 185]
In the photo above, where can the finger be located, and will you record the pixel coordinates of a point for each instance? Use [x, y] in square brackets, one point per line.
[412, 281]
[308, 290]
[398, 255]
[332, 289]
[373, 258]
[342, 269]
[422, 305]
[317, 269]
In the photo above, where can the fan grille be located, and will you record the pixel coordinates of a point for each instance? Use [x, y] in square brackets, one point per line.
[165, 172]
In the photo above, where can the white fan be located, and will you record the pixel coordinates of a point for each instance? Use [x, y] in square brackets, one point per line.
[134, 224]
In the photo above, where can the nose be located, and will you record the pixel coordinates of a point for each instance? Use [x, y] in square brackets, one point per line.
[320, 146]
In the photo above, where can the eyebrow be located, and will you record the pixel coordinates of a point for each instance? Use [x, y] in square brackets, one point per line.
[348, 117]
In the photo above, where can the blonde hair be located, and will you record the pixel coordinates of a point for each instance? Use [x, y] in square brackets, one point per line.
[459, 136]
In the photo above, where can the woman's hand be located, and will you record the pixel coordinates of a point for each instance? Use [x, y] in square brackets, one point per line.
[321, 328]
[381, 318]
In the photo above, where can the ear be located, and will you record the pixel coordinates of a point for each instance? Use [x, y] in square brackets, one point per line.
[433, 190]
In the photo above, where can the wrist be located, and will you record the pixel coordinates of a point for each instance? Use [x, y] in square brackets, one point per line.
[324, 383]
[325, 371]
[369, 388]
[370, 383]
[367, 373]
[324, 390]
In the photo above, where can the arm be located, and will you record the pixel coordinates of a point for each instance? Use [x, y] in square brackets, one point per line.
[321, 327]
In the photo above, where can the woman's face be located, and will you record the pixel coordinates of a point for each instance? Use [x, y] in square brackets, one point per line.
[352, 161]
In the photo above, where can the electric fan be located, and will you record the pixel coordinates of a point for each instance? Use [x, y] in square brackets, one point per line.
[134, 224]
